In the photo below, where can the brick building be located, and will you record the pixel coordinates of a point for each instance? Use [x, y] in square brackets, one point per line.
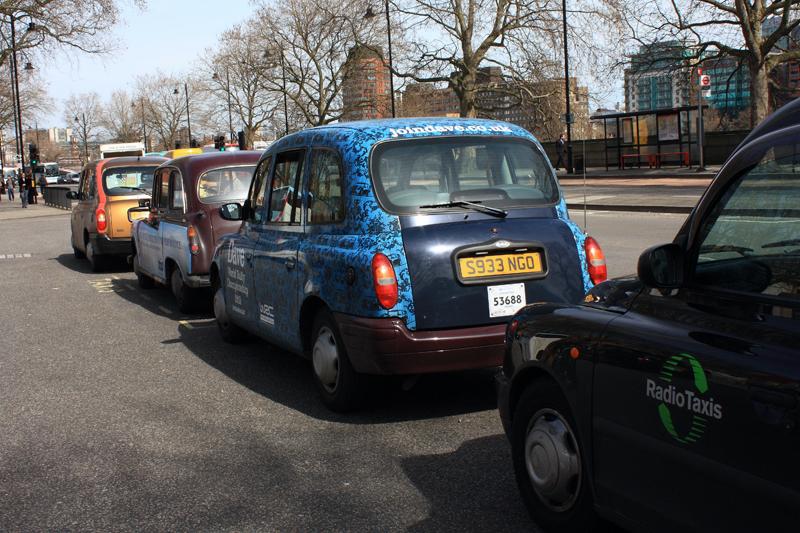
[365, 88]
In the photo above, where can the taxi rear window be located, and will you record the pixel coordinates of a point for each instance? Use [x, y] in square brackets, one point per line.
[123, 181]
[410, 176]
[223, 185]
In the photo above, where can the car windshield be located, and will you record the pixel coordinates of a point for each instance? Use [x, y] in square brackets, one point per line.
[224, 185]
[419, 176]
[121, 181]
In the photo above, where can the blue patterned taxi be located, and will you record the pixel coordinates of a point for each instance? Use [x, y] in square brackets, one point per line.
[397, 247]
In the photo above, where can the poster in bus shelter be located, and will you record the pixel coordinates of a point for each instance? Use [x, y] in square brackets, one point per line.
[627, 130]
[668, 127]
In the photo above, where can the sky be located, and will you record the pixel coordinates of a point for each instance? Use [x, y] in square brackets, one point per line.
[169, 35]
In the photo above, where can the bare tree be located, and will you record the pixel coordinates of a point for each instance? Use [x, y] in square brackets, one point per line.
[84, 112]
[121, 117]
[307, 43]
[165, 107]
[46, 25]
[757, 33]
[238, 79]
[33, 95]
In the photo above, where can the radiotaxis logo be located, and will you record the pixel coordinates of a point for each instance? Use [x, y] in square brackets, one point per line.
[684, 412]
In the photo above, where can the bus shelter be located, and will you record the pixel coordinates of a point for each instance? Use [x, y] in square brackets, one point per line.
[652, 138]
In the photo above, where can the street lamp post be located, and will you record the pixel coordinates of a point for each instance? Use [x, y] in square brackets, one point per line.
[228, 93]
[20, 148]
[188, 117]
[370, 14]
[566, 82]
[144, 123]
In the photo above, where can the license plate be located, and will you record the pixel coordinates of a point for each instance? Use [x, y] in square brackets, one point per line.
[500, 265]
[505, 300]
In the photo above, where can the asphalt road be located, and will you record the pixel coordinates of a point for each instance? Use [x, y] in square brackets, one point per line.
[119, 413]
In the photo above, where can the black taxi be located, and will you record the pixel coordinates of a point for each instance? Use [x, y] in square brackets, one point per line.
[670, 401]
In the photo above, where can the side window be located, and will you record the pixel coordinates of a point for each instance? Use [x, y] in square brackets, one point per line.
[325, 202]
[284, 203]
[258, 193]
[162, 184]
[92, 182]
[176, 191]
[751, 239]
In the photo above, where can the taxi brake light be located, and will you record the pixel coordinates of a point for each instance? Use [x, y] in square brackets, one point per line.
[100, 220]
[595, 261]
[384, 281]
[191, 234]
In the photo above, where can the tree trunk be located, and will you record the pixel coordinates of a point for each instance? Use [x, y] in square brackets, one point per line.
[759, 93]
[467, 98]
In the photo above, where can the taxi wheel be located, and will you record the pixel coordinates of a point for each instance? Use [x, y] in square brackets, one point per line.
[77, 253]
[184, 294]
[340, 386]
[229, 331]
[95, 261]
[145, 281]
[548, 461]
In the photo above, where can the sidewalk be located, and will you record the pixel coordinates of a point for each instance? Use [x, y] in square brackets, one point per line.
[14, 211]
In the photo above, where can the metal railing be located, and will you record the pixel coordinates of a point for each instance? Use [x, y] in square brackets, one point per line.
[56, 196]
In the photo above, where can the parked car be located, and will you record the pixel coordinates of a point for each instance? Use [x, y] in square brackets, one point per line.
[175, 243]
[69, 178]
[107, 189]
[397, 247]
[669, 401]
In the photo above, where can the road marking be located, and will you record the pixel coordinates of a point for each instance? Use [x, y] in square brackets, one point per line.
[193, 324]
[15, 256]
[105, 285]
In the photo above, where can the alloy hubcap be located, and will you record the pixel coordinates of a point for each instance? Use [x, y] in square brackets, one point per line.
[553, 460]
[326, 359]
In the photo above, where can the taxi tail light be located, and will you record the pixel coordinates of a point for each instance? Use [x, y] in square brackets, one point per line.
[384, 281]
[595, 261]
[100, 219]
[194, 244]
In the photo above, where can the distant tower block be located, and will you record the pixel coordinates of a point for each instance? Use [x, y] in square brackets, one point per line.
[365, 89]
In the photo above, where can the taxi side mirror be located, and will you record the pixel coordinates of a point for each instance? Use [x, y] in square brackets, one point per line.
[231, 211]
[661, 266]
[132, 213]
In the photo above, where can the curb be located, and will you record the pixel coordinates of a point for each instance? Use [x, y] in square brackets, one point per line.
[634, 208]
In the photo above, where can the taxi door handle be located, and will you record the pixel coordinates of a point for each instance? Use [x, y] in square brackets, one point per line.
[291, 263]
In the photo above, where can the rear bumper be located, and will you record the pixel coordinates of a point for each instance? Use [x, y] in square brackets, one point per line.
[106, 246]
[386, 346]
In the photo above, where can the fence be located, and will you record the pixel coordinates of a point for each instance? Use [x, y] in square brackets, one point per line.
[56, 196]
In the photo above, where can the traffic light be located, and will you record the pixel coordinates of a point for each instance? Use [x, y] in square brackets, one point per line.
[241, 141]
[219, 143]
[33, 154]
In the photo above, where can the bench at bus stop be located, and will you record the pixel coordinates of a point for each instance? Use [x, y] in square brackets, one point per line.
[656, 160]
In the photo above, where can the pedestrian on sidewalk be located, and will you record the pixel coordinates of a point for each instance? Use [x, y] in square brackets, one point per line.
[561, 150]
[10, 187]
[42, 183]
[31, 185]
[23, 190]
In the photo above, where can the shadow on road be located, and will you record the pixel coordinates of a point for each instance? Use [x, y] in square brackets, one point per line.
[287, 379]
[112, 265]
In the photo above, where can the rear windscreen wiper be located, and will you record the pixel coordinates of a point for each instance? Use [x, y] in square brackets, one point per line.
[712, 248]
[494, 211]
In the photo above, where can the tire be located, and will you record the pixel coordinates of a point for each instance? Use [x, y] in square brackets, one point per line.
[341, 388]
[549, 461]
[230, 332]
[77, 253]
[96, 262]
[184, 295]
